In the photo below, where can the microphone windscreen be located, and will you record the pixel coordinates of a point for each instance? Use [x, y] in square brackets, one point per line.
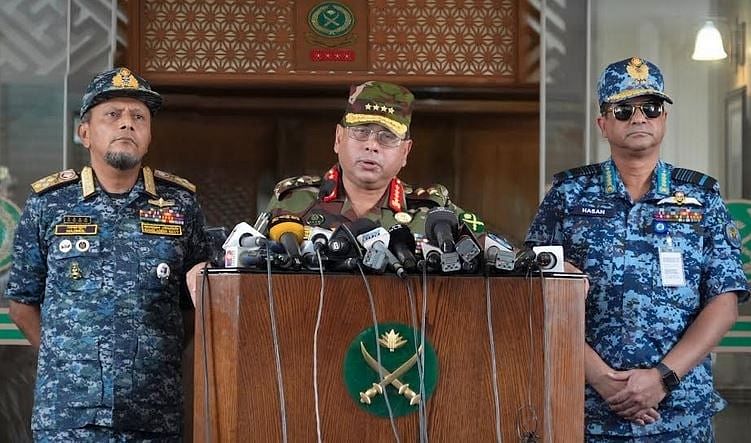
[439, 216]
[284, 224]
[403, 235]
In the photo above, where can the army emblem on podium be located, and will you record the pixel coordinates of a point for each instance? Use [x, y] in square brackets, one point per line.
[394, 364]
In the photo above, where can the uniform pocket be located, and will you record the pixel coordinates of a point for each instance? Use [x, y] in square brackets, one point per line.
[79, 374]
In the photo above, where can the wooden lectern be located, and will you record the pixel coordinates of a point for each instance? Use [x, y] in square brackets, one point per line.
[242, 395]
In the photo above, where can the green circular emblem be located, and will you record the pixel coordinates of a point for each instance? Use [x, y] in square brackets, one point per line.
[402, 361]
[331, 19]
[740, 210]
[316, 219]
[9, 216]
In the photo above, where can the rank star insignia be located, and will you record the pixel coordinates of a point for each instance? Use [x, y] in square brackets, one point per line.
[367, 106]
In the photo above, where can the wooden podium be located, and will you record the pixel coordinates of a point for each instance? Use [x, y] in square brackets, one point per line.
[242, 395]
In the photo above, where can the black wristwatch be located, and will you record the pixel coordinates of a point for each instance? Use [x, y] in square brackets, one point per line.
[669, 378]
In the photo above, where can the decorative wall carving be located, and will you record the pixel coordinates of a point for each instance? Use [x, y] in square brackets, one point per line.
[425, 41]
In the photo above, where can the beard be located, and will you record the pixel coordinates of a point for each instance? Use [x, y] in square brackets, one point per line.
[122, 160]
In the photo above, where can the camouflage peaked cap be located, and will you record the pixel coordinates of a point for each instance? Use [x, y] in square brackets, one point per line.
[632, 77]
[119, 82]
[382, 103]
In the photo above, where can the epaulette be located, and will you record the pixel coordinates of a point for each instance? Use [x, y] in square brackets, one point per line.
[693, 177]
[172, 178]
[53, 181]
[592, 169]
[291, 183]
[434, 195]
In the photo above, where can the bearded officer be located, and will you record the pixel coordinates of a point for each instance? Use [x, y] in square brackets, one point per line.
[97, 282]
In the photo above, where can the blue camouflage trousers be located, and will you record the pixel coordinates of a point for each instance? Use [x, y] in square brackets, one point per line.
[102, 434]
[701, 433]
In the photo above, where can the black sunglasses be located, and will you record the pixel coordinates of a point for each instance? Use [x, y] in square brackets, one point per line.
[624, 111]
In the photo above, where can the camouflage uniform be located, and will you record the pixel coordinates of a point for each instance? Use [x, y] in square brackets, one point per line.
[632, 320]
[306, 197]
[108, 274]
[324, 202]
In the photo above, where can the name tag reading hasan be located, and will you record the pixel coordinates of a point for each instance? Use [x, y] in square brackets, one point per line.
[592, 212]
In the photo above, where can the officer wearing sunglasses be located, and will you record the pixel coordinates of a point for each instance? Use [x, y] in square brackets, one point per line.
[662, 256]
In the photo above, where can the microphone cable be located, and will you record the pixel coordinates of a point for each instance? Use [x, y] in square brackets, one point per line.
[378, 348]
[420, 362]
[206, 390]
[315, 350]
[277, 351]
[493, 361]
[526, 416]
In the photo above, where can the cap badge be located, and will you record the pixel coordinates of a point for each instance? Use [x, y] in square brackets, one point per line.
[638, 70]
[124, 79]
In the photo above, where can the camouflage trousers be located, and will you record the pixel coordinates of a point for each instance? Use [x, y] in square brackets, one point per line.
[701, 433]
[102, 434]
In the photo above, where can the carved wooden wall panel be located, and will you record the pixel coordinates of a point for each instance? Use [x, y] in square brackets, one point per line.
[423, 42]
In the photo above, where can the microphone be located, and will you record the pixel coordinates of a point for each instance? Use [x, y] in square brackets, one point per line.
[320, 237]
[431, 258]
[441, 225]
[467, 246]
[403, 245]
[499, 253]
[377, 254]
[343, 242]
[318, 243]
[289, 231]
[241, 237]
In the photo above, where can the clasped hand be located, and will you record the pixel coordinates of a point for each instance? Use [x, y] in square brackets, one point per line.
[634, 394]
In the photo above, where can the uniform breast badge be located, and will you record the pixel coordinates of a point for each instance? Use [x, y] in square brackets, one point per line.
[163, 220]
[403, 218]
[76, 225]
[75, 271]
[162, 272]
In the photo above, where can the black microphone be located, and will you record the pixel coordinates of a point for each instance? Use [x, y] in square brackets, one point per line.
[441, 225]
[403, 245]
[289, 231]
[343, 242]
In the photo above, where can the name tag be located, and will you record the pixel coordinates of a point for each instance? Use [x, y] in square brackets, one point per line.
[159, 229]
[76, 229]
[590, 211]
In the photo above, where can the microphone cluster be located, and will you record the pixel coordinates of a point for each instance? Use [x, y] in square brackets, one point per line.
[448, 247]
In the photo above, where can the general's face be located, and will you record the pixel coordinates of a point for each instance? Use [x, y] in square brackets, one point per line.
[370, 164]
[642, 132]
[117, 133]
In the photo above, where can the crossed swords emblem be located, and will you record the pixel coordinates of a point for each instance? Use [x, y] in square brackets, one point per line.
[389, 378]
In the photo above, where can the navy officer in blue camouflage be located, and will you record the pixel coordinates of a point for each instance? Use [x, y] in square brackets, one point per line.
[662, 256]
[97, 282]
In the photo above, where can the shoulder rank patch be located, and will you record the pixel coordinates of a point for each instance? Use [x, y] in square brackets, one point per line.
[434, 195]
[291, 183]
[52, 181]
[581, 171]
[166, 176]
[693, 177]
